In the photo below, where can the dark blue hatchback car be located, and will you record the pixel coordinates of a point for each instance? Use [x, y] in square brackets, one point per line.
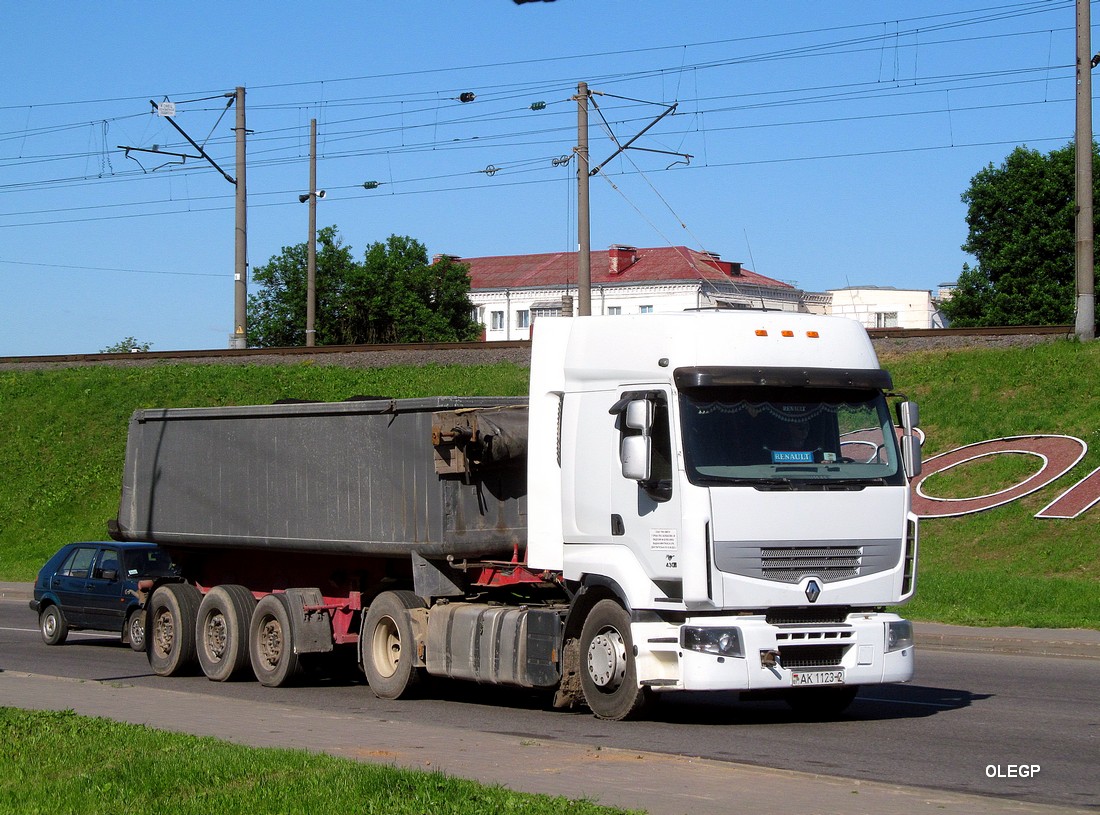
[95, 586]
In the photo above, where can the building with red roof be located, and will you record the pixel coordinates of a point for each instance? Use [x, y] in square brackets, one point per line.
[511, 291]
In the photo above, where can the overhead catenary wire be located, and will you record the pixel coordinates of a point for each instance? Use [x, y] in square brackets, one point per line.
[345, 140]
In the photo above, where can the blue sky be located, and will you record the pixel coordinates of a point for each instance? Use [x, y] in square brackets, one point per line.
[830, 142]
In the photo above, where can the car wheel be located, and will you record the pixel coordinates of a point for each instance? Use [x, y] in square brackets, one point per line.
[135, 629]
[53, 625]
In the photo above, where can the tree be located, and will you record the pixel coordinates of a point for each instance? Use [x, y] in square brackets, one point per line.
[277, 312]
[127, 345]
[1021, 231]
[402, 297]
[394, 295]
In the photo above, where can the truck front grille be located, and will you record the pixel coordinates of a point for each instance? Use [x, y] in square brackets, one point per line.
[798, 657]
[789, 564]
[792, 561]
[808, 614]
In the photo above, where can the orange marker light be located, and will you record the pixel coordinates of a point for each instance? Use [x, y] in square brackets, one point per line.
[813, 335]
[787, 333]
[761, 332]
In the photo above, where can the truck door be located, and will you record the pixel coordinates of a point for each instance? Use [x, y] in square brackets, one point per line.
[645, 501]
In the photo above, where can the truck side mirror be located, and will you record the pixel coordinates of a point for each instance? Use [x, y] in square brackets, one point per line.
[910, 454]
[635, 457]
[908, 416]
[639, 415]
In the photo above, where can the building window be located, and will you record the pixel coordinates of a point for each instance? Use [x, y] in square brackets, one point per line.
[496, 320]
[645, 309]
[886, 319]
[614, 310]
[523, 318]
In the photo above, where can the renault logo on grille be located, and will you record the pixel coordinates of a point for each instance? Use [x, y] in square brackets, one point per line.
[813, 591]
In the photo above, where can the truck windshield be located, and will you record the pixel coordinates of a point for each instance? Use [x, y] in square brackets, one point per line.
[788, 437]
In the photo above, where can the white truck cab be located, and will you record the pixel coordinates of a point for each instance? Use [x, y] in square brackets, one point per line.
[735, 481]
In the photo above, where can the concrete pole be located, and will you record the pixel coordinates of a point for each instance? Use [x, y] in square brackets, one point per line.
[1085, 320]
[311, 246]
[584, 225]
[239, 338]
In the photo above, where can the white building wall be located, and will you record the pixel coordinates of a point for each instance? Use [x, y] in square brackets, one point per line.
[510, 305]
[875, 307]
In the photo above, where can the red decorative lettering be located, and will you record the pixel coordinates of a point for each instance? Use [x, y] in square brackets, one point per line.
[1059, 455]
[1077, 500]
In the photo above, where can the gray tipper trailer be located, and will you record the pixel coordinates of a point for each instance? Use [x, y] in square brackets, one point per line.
[680, 504]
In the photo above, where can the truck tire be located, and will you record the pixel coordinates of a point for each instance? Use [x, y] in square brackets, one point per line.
[271, 642]
[170, 629]
[609, 672]
[53, 625]
[388, 645]
[135, 629]
[821, 704]
[222, 636]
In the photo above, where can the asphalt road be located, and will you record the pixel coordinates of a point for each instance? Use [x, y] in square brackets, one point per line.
[963, 725]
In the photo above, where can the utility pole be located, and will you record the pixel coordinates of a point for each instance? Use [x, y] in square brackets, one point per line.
[584, 226]
[311, 247]
[239, 337]
[1085, 320]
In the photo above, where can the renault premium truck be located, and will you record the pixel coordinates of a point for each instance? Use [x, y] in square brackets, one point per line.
[700, 501]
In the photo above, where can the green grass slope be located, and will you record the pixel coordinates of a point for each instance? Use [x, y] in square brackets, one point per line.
[63, 433]
[1004, 566]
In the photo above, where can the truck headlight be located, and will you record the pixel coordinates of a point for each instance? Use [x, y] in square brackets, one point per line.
[899, 635]
[725, 642]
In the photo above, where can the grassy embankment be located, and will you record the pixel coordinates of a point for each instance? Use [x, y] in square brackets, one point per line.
[54, 762]
[62, 435]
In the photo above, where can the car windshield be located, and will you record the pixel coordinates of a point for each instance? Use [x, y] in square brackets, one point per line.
[788, 437]
[149, 563]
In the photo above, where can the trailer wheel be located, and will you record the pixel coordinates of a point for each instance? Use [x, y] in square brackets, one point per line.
[388, 645]
[821, 704]
[222, 638]
[53, 625]
[135, 629]
[170, 629]
[609, 672]
[271, 642]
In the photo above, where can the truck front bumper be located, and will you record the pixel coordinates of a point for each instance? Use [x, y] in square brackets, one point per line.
[749, 653]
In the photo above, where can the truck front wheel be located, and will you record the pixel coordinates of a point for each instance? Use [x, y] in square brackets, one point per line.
[388, 645]
[170, 629]
[271, 643]
[224, 617]
[609, 673]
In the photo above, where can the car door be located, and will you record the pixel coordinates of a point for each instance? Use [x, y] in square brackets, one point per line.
[69, 584]
[104, 597]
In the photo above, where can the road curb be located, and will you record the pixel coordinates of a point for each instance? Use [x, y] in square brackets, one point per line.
[1075, 643]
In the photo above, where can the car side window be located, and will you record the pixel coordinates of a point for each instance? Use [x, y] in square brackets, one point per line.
[79, 563]
[107, 567]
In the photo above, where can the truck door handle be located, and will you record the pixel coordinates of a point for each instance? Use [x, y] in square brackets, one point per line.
[617, 527]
